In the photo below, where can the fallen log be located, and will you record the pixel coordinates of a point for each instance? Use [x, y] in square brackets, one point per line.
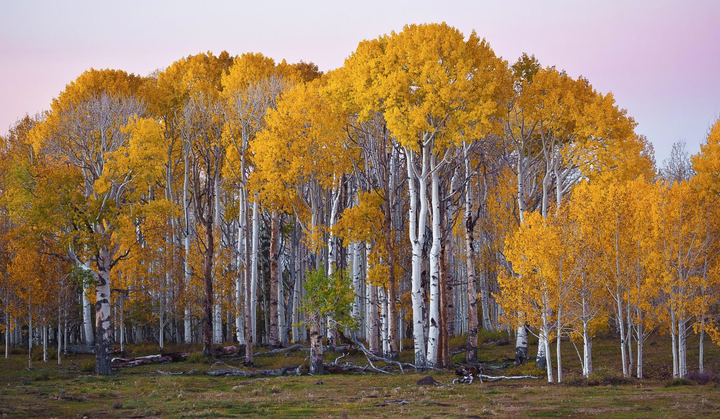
[80, 349]
[263, 373]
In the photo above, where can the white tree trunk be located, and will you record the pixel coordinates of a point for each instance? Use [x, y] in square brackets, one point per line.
[521, 344]
[417, 222]
[187, 323]
[701, 355]
[254, 270]
[45, 342]
[357, 278]
[30, 335]
[623, 336]
[241, 270]
[546, 342]
[384, 321]
[87, 313]
[434, 314]
[217, 324]
[559, 340]
[673, 337]
[682, 346]
[586, 351]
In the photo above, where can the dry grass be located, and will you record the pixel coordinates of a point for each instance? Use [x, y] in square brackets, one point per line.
[66, 391]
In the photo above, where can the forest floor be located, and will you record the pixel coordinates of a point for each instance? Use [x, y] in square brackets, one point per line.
[147, 391]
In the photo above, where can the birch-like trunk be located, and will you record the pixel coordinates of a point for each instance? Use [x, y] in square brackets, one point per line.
[384, 336]
[393, 350]
[217, 324]
[187, 322]
[254, 270]
[623, 336]
[59, 337]
[417, 239]
[7, 334]
[331, 330]
[87, 313]
[541, 358]
[45, 341]
[103, 323]
[372, 312]
[640, 338]
[472, 342]
[682, 346]
[673, 337]
[356, 278]
[274, 337]
[521, 345]
[701, 353]
[30, 334]
[546, 342]
[434, 309]
[241, 268]
[559, 340]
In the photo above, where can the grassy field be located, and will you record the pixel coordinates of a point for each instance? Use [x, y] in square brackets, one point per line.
[70, 390]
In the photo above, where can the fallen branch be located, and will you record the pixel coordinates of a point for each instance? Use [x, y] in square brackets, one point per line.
[502, 377]
[175, 373]
[369, 355]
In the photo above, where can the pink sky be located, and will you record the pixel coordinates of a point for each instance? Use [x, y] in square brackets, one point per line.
[660, 58]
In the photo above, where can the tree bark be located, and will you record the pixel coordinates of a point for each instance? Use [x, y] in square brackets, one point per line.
[103, 324]
[208, 302]
[274, 338]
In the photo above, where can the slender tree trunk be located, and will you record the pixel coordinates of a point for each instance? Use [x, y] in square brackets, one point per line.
[249, 334]
[7, 334]
[87, 311]
[274, 338]
[372, 339]
[187, 323]
[434, 314]
[640, 339]
[384, 338]
[673, 337]
[701, 354]
[392, 287]
[45, 341]
[586, 350]
[623, 336]
[559, 341]
[254, 269]
[417, 240]
[30, 335]
[471, 351]
[546, 342]
[357, 277]
[59, 337]
[682, 346]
